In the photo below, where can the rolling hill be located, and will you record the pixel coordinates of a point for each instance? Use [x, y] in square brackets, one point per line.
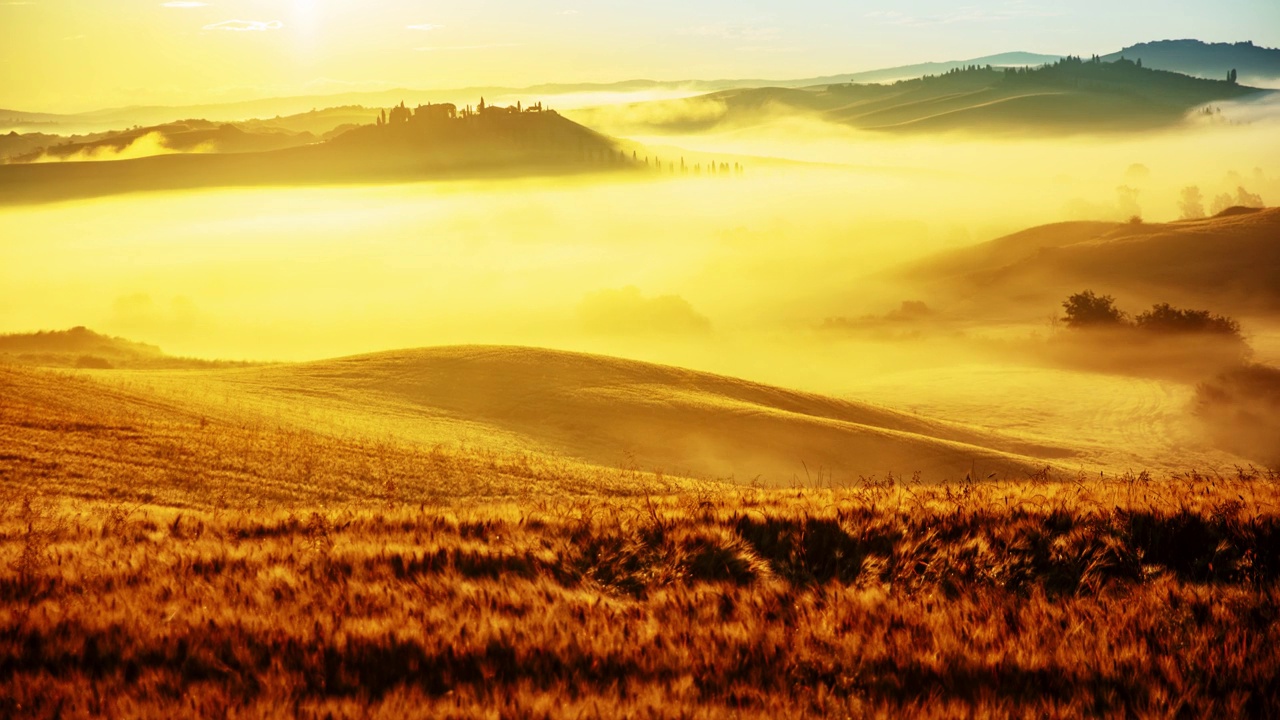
[437, 142]
[620, 413]
[1070, 96]
[189, 136]
[1231, 262]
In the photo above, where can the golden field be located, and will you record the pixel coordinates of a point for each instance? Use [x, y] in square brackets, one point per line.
[165, 560]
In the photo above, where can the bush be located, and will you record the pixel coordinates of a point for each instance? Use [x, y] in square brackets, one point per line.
[1168, 319]
[1086, 309]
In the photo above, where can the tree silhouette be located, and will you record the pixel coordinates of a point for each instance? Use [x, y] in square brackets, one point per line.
[1127, 202]
[1191, 203]
[1168, 319]
[1244, 198]
[1085, 309]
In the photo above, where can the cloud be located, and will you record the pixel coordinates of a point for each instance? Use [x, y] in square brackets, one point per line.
[730, 31]
[445, 48]
[246, 25]
[184, 4]
[968, 13]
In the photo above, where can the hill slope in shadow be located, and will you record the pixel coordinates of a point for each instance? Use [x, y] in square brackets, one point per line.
[1207, 60]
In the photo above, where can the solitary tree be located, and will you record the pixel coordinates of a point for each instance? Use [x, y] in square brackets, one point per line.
[1191, 203]
[1085, 309]
[1244, 198]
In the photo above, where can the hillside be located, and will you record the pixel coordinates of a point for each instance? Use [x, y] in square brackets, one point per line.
[189, 136]
[619, 413]
[1231, 262]
[433, 142]
[1206, 60]
[80, 347]
[1070, 96]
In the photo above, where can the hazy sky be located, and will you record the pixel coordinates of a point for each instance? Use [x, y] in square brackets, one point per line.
[84, 54]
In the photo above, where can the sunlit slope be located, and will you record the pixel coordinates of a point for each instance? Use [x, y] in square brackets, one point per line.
[1231, 262]
[73, 435]
[1066, 97]
[619, 412]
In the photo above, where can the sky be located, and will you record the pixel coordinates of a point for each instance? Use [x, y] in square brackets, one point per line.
[75, 55]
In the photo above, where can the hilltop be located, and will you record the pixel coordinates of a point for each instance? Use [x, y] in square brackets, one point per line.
[1071, 95]
[1206, 60]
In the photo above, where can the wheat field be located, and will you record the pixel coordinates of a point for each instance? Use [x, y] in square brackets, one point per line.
[161, 561]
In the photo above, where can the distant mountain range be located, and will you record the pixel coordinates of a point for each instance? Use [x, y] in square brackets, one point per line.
[1255, 64]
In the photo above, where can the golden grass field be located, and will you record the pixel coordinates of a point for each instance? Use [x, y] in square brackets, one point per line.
[197, 552]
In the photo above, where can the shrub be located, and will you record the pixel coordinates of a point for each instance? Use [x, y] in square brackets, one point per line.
[1168, 319]
[1085, 309]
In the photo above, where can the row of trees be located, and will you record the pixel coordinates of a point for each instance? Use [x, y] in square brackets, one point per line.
[1086, 310]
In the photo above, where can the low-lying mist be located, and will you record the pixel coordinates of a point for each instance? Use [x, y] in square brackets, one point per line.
[739, 274]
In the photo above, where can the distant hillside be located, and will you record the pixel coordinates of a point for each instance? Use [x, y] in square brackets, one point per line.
[14, 143]
[911, 72]
[437, 141]
[1206, 60]
[83, 348]
[1229, 263]
[186, 136]
[298, 106]
[1069, 96]
[78, 340]
[191, 135]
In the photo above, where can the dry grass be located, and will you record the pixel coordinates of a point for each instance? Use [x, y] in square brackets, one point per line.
[220, 579]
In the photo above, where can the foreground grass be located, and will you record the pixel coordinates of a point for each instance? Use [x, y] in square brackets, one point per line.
[157, 562]
[883, 600]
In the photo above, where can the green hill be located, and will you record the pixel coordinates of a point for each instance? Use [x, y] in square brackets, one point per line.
[1206, 60]
[1069, 96]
